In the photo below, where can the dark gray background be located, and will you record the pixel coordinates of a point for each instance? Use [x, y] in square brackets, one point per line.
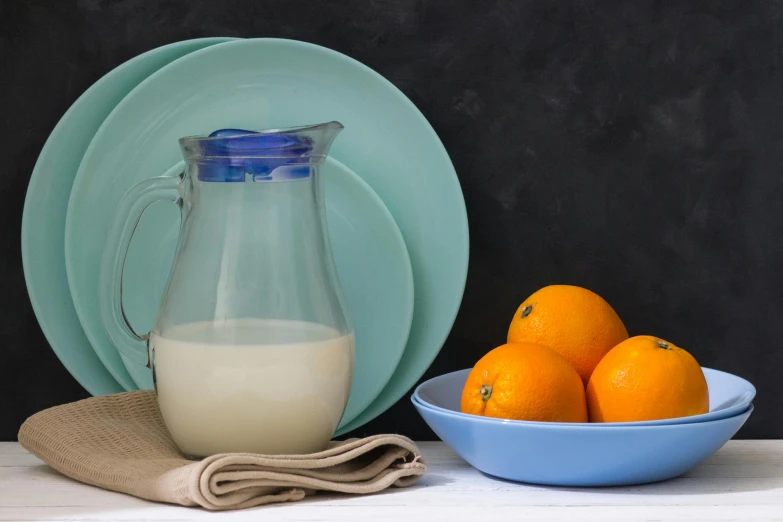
[631, 147]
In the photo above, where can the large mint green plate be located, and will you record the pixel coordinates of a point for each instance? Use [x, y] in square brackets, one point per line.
[43, 222]
[372, 264]
[278, 83]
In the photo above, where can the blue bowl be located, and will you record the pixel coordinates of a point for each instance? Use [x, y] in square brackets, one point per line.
[729, 396]
[576, 454]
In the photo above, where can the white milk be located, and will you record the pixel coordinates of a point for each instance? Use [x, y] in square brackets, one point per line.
[252, 385]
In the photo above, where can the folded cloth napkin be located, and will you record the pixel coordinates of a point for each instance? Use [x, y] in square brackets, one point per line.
[119, 442]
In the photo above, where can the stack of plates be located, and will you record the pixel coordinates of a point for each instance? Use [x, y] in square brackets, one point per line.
[395, 209]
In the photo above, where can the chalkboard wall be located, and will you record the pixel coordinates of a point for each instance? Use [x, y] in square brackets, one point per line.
[631, 147]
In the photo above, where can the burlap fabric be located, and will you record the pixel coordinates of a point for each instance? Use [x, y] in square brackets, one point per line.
[119, 442]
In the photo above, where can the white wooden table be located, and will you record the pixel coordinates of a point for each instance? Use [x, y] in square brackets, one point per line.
[744, 481]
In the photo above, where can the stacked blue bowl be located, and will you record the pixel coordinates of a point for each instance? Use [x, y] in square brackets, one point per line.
[585, 454]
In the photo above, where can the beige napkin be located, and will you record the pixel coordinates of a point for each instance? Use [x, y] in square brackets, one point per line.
[119, 442]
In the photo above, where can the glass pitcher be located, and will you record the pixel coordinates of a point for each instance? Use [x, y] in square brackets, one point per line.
[251, 349]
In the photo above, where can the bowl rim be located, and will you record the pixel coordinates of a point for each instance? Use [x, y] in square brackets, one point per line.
[694, 419]
[576, 426]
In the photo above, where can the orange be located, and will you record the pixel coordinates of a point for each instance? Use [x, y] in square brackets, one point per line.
[646, 378]
[573, 321]
[525, 382]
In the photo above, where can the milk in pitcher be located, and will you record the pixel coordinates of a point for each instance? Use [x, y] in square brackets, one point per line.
[252, 385]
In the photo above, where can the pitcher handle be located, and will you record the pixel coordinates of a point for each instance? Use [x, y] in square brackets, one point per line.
[129, 212]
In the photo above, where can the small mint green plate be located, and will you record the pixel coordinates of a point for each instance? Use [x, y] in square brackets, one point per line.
[43, 221]
[269, 83]
[372, 264]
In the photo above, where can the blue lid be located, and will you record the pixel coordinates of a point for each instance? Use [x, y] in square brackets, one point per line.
[236, 155]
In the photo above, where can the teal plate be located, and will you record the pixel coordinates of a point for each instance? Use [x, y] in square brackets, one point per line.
[43, 222]
[271, 83]
[372, 264]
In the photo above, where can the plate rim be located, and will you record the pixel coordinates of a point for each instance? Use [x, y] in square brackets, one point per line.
[106, 383]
